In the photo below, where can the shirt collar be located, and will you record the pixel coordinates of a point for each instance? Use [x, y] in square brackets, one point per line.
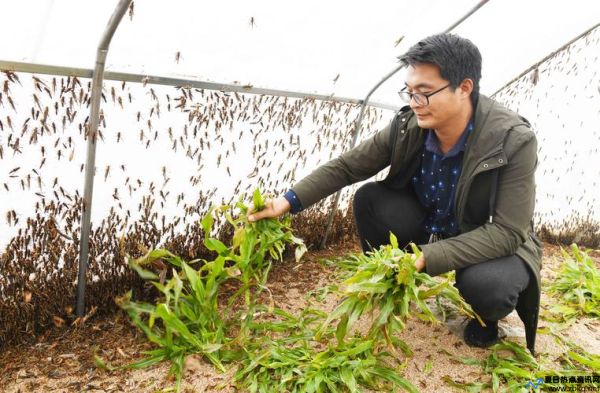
[432, 143]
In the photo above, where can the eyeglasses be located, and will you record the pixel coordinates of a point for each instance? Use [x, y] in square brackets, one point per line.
[420, 98]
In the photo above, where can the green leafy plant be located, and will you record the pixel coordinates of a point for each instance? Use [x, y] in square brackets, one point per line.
[278, 365]
[511, 366]
[573, 357]
[187, 319]
[286, 357]
[576, 289]
[386, 280]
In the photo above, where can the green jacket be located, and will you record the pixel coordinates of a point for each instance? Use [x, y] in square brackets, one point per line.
[495, 194]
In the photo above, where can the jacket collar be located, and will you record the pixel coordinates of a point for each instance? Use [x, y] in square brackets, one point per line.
[497, 121]
[488, 115]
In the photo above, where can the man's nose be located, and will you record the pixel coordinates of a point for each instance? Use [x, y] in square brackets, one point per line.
[413, 103]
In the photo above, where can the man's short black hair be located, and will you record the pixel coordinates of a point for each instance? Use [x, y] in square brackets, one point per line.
[457, 58]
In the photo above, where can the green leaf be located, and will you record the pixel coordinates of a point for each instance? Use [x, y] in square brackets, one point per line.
[173, 322]
[593, 364]
[153, 255]
[342, 327]
[99, 362]
[495, 382]
[369, 287]
[393, 240]
[147, 362]
[299, 252]
[415, 249]
[143, 273]
[257, 200]
[207, 222]
[196, 283]
[238, 237]
[392, 376]
[216, 245]
[359, 348]
[473, 387]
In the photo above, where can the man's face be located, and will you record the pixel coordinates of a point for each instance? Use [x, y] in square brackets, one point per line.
[443, 105]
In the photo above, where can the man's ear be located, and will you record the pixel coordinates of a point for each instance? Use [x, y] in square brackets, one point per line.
[466, 88]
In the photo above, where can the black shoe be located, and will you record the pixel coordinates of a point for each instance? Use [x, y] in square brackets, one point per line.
[479, 336]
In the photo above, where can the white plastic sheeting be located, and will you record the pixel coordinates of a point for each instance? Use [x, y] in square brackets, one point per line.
[301, 46]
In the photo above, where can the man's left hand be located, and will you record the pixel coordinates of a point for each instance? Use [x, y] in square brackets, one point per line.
[420, 263]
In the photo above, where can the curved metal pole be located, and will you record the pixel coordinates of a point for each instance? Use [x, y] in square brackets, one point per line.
[356, 131]
[357, 127]
[91, 132]
[538, 63]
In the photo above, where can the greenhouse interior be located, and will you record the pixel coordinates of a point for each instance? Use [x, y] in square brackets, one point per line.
[233, 196]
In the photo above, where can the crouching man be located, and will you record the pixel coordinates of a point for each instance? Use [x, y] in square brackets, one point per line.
[461, 185]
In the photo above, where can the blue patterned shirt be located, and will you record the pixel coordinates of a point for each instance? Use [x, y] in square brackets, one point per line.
[435, 183]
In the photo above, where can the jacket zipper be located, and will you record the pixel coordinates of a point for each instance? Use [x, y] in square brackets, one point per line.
[467, 184]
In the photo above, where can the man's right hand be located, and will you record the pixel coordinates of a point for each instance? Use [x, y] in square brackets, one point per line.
[273, 208]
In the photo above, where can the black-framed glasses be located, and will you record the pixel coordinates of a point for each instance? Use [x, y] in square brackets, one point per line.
[420, 98]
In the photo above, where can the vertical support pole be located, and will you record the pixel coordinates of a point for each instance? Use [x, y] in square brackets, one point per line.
[91, 133]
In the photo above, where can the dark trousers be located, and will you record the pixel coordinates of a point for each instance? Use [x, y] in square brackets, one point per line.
[492, 287]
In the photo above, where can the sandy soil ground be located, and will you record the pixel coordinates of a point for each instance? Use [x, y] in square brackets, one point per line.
[62, 360]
